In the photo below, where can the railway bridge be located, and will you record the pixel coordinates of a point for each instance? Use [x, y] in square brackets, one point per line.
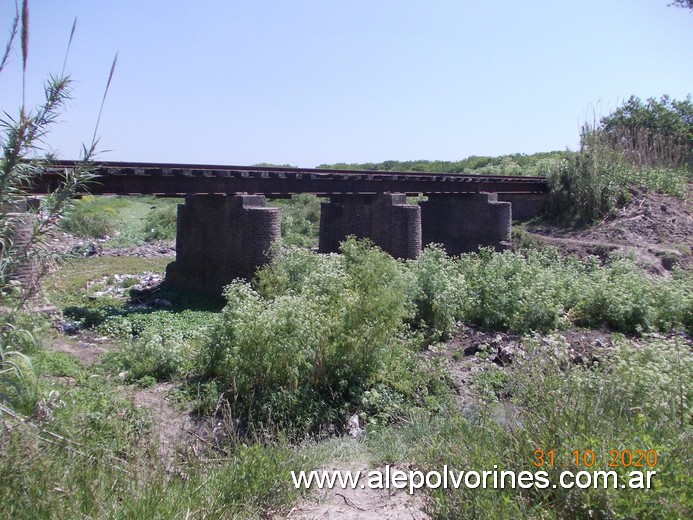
[225, 226]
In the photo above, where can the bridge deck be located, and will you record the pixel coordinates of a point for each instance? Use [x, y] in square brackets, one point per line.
[163, 179]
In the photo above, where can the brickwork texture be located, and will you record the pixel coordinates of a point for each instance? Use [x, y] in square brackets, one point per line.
[220, 238]
[387, 220]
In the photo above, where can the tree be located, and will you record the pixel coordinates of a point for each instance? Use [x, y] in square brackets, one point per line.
[686, 4]
[652, 132]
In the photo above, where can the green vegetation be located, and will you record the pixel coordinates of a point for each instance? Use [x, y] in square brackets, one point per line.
[655, 133]
[634, 396]
[97, 459]
[643, 146]
[513, 164]
[314, 339]
[124, 221]
[133, 221]
[320, 336]
[300, 220]
[317, 338]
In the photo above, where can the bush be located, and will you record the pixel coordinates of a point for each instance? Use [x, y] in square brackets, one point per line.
[511, 291]
[440, 292]
[624, 298]
[317, 333]
[151, 358]
[302, 352]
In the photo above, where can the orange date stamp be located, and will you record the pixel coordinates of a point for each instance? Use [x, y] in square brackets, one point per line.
[587, 458]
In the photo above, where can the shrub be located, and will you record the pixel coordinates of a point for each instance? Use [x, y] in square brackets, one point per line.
[589, 184]
[440, 292]
[540, 291]
[511, 291]
[153, 357]
[18, 378]
[302, 352]
[624, 298]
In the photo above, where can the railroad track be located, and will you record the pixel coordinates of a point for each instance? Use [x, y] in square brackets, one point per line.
[168, 179]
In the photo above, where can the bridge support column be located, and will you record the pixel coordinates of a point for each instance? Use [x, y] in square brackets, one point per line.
[463, 223]
[386, 219]
[526, 205]
[220, 238]
[20, 216]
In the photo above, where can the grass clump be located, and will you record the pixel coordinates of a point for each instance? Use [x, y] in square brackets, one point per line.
[157, 355]
[160, 223]
[92, 217]
[124, 221]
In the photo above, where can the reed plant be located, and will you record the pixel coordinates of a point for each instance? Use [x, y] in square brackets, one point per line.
[598, 179]
[22, 138]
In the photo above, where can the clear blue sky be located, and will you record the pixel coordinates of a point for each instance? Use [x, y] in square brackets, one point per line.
[323, 81]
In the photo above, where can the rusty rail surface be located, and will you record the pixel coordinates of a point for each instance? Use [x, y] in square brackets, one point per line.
[175, 180]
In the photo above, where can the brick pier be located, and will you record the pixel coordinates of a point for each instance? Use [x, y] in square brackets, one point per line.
[220, 238]
[386, 219]
[465, 222]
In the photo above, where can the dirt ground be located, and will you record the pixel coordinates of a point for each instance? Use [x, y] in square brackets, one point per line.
[66, 244]
[363, 504]
[656, 230]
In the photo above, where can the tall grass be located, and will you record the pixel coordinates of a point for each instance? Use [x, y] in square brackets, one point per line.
[600, 177]
[99, 457]
[125, 221]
